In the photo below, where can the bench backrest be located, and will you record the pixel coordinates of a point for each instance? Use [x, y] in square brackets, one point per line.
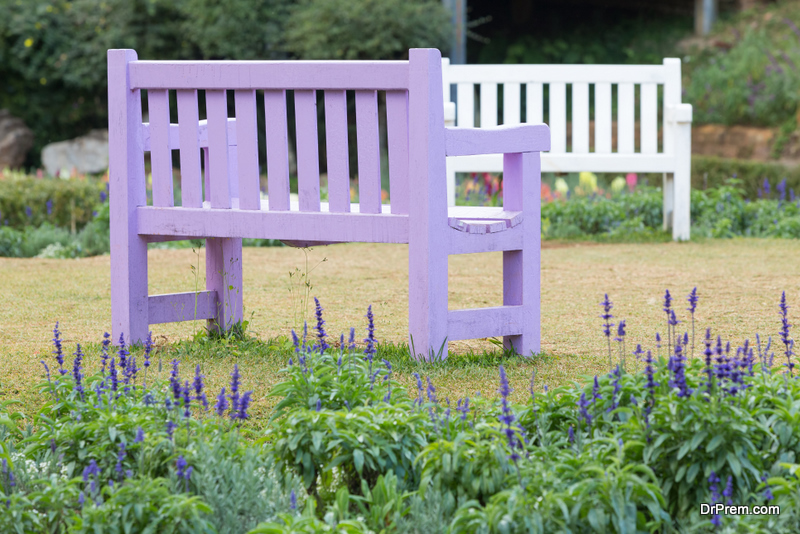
[528, 82]
[414, 125]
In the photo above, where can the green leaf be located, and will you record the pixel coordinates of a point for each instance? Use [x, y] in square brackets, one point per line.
[736, 466]
[358, 460]
[715, 442]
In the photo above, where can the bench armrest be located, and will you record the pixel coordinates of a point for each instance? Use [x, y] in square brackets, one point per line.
[678, 113]
[497, 140]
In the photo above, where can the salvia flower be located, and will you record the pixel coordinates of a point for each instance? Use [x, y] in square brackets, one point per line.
[58, 352]
[320, 328]
[419, 388]
[148, 347]
[104, 352]
[186, 394]
[123, 355]
[293, 500]
[370, 339]
[571, 434]
[352, 339]
[679, 373]
[170, 428]
[243, 405]
[507, 417]
[234, 396]
[768, 496]
[614, 404]
[222, 403]
[728, 491]
[787, 341]
[583, 406]
[77, 372]
[295, 341]
[120, 458]
[47, 372]
[112, 371]
[175, 382]
[198, 388]
[139, 435]
[431, 391]
[606, 316]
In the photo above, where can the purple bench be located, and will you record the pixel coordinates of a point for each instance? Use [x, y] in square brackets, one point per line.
[221, 199]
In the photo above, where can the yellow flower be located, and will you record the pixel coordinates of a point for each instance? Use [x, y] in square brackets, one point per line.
[561, 186]
[28, 42]
[588, 181]
[618, 184]
[43, 81]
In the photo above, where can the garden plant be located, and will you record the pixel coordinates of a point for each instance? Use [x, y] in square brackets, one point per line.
[689, 420]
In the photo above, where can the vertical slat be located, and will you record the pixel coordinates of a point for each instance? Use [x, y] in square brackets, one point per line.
[602, 118]
[649, 120]
[511, 103]
[277, 150]
[488, 105]
[625, 118]
[305, 110]
[580, 118]
[336, 147]
[534, 99]
[397, 135]
[465, 94]
[247, 149]
[217, 112]
[188, 121]
[369, 156]
[558, 117]
[160, 153]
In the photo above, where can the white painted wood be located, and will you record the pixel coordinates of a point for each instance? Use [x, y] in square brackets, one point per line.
[465, 107]
[534, 102]
[648, 125]
[602, 118]
[569, 162]
[556, 73]
[511, 103]
[580, 118]
[625, 118]
[488, 105]
[558, 117]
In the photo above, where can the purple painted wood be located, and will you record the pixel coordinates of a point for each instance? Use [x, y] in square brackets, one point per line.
[277, 150]
[224, 277]
[418, 144]
[427, 215]
[397, 139]
[305, 111]
[376, 75]
[247, 149]
[217, 111]
[188, 119]
[177, 307]
[337, 151]
[160, 155]
[369, 152]
[129, 312]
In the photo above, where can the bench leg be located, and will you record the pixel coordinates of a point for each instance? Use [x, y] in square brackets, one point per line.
[427, 302]
[521, 288]
[224, 275]
[129, 304]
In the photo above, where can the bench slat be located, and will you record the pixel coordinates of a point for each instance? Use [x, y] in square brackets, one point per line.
[305, 110]
[369, 157]
[177, 307]
[556, 73]
[534, 101]
[272, 75]
[397, 136]
[580, 118]
[160, 155]
[191, 184]
[511, 103]
[625, 118]
[336, 148]
[465, 93]
[485, 322]
[602, 118]
[488, 105]
[558, 116]
[649, 119]
[277, 150]
[217, 168]
[247, 150]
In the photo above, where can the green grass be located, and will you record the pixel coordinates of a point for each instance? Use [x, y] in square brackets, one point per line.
[739, 282]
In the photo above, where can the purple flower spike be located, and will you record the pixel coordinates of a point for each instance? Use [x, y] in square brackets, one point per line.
[58, 352]
[77, 372]
[174, 381]
[787, 341]
[692, 301]
[244, 404]
[370, 340]
[222, 403]
[320, 328]
[234, 396]
[198, 388]
[606, 316]
[293, 500]
[571, 434]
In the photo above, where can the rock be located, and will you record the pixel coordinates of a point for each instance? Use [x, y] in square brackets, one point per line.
[16, 140]
[740, 142]
[86, 154]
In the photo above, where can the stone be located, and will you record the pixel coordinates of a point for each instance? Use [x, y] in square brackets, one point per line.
[16, 139]
[85, 154]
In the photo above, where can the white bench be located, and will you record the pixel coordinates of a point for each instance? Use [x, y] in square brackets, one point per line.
[665, 112]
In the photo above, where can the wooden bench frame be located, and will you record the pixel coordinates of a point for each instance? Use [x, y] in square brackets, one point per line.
[677, 121]
[230, 208]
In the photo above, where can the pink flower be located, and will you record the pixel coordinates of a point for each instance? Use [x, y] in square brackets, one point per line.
[631, 179]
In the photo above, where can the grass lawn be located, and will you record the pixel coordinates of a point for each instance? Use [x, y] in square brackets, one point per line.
[739, 282]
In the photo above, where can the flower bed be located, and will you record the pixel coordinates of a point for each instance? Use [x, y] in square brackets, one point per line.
[350, 450]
